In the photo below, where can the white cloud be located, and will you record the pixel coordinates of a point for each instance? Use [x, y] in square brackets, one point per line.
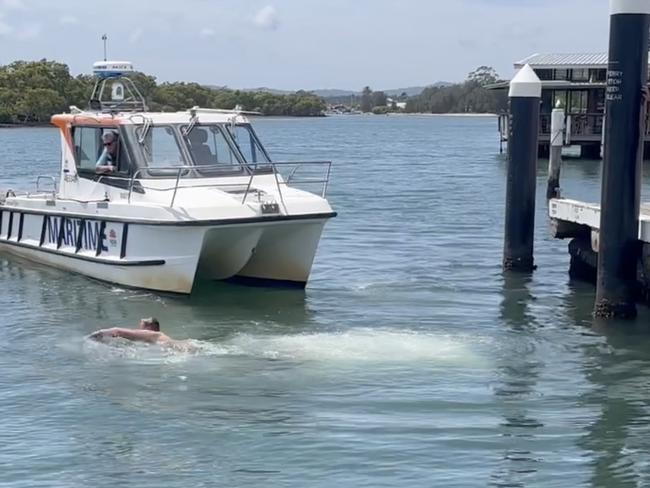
[12, 4]
[136, 35]
[5, 29]
[267, 18]
[68, 20]
[207, 32]
[26, 32]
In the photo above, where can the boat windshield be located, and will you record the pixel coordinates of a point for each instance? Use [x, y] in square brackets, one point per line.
[160, 148]
[248, 143]
[215, 149]
[209, 146]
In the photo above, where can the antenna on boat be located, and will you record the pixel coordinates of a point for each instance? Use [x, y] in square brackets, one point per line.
[114, 91]
[104, 38]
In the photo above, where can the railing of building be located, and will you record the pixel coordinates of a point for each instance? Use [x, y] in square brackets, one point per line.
[579, 126]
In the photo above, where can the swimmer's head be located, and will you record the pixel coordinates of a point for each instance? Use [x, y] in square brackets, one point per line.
[150, 324]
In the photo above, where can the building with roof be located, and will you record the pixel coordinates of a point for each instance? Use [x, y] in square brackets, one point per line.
[577, 83]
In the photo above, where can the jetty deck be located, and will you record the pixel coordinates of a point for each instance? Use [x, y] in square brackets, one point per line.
[565, 210]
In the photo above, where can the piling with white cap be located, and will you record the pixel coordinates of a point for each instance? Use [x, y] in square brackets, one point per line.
[525, 96]
[555, 158]
[627, 76]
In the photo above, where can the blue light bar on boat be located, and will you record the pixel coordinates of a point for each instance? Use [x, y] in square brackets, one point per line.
[112, 69]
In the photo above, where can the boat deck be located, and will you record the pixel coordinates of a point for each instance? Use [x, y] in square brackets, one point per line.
[585, 213]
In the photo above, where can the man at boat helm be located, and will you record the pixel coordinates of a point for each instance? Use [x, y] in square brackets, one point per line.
[149, 332]
[107, 162]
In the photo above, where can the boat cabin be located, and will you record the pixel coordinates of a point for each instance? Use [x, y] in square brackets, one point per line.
[155, 144]
[120, 140]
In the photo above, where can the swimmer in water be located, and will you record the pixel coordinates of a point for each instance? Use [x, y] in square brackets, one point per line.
[149, 332]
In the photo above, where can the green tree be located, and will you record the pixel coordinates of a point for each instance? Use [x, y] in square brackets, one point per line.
[38, 105]
[366, 100]
[483, 75]
[378, 99]
[468, 97]
[31, 91]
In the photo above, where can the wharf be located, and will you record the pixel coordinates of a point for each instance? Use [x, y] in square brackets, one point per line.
[580, 222]
[569, 216]
[610, 241]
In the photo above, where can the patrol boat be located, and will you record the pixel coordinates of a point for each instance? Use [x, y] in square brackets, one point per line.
[181, 197]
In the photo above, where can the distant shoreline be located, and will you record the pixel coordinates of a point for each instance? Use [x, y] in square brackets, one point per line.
[22, 126]
[426, 114]
[413, 114]
[391, 114]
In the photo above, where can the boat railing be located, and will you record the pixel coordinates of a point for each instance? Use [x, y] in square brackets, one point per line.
[51, 179]
[299, 173]
[307, 173]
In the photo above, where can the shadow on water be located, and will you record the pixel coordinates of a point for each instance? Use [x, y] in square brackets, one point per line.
[287, 306]
[215, 310]
[617, 365]
[518, 373]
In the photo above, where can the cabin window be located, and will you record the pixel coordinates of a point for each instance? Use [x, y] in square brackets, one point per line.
[161, 148]
[87, 147]
[560, 97]
[561, 74]
[544, 74]
[578, 102]
[580, 75]
[547, 102]
[598, 75]
[208, 146]
[248, 144]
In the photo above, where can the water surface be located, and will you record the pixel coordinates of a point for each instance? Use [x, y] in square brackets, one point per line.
[409, 360]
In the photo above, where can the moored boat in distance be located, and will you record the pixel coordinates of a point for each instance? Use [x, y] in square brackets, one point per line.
[161, 200]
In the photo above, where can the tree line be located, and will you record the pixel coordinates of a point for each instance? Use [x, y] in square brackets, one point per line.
[471, 96]
[31, 91]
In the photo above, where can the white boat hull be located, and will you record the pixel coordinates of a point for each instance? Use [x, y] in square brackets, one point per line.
[164, 257]
[284, 253]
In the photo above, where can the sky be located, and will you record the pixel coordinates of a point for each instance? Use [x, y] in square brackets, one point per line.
[301, 44]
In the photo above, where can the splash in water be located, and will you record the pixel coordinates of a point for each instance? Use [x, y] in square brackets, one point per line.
[369, 345]
[117, 348]
[358, 345]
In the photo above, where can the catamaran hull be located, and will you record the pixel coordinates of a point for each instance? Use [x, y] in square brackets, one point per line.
[164, 257]
[162, 276]
[284, 254]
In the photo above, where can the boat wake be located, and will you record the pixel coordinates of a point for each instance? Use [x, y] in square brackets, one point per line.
[357, 345]
[367, 345]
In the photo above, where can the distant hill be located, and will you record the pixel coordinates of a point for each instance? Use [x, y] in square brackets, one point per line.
[335, 93]
[410, 91]
[274, 91]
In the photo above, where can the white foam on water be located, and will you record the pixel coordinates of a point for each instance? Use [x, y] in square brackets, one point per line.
[356, 345]
[371, 345]
[130, 294]
[113, 349]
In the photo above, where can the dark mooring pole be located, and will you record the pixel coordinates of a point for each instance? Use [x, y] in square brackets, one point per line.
[525, 95]
[627, 75]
